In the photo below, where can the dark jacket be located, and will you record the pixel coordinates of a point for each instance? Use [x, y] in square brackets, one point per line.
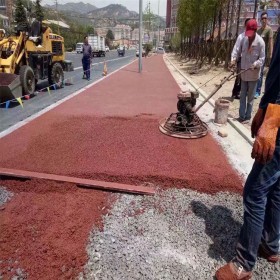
[272, 83]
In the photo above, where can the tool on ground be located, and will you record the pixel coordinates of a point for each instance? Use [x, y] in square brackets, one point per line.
[87, 183]
[29, 54]
[186, 123]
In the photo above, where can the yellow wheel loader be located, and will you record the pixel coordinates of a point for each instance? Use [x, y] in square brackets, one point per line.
[29, 56]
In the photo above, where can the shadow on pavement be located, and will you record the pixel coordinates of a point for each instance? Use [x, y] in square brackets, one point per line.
[221, 227]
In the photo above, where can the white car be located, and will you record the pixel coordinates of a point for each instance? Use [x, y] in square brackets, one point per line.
[107, 49]
[160, 50]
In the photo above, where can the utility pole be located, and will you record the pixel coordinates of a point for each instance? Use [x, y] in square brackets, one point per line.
[56, 6]
[140, 34]
[158, 25]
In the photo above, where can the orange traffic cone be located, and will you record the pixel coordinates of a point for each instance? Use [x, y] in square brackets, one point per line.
[105, 69]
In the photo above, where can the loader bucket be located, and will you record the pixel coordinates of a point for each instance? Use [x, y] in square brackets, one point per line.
[10, 87]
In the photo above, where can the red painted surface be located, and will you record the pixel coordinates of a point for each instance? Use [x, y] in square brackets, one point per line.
[109, 133]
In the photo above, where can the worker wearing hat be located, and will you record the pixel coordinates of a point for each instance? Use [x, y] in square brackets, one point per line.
[252, 53]
[260, 232]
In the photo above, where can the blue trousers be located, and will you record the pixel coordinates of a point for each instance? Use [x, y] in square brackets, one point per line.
[247, 99]
[86, 67]
[261, 200]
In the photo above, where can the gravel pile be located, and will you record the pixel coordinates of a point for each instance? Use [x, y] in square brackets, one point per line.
[178, 234]
[4, 195]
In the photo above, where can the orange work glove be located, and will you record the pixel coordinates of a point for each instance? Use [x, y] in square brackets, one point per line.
[257, 122]
[265, 142]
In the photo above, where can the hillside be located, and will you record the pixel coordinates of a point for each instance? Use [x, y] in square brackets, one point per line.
[99, 17]
[80, 7]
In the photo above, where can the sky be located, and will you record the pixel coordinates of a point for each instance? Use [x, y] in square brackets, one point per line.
[132, 5]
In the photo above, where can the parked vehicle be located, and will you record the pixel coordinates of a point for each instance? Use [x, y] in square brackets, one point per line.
[79, 47]
[98, 45]
[121, 50]
[143, 53]
[25, 60]
[107, 49]
[160, 50]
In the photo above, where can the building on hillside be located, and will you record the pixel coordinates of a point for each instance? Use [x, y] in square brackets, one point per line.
[6, 12]
[171, 29]
[102, 31]
[121, 32]
[135, 36]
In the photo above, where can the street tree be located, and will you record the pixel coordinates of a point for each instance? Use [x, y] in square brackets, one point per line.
[110, 35]
[109, 38]
[20, 14]
[148, 18]
[39, 14]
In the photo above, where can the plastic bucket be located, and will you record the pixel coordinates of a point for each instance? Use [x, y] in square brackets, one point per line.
[221, 111]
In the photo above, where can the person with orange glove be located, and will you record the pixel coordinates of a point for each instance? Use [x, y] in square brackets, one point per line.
[260, 233]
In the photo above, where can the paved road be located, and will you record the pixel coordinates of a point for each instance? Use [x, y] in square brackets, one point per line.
[16, 113]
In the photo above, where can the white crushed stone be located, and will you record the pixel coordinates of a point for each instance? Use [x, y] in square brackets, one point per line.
[4, 195]
[178, 234]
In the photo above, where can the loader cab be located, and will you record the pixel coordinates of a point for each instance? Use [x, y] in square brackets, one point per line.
[36, 32]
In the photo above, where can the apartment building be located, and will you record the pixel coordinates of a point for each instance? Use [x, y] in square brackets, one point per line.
[172, 7]
[5, 12]
[121, 31]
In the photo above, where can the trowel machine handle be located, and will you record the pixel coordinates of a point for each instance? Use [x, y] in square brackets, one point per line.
[224, 80]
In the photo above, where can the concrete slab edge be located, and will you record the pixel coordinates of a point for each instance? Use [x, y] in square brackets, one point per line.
[243, 131]
[52, 106]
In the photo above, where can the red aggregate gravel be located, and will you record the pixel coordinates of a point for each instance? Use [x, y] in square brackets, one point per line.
[45, 227]
[128, 150]
[108, 133]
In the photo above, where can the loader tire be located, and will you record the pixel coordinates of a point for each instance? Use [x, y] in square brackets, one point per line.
[27, 79]
[56, 74]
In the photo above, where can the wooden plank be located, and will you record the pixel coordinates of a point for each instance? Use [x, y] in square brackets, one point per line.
[99, 185]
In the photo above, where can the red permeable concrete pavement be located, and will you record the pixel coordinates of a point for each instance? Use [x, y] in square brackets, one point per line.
[109, 132]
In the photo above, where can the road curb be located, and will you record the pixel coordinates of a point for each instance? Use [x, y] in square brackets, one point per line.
[243, 131]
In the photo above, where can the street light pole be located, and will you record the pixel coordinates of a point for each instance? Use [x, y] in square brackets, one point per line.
[158, 25]
[140, 34]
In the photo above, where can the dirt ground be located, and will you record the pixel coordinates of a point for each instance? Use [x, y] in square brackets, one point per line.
[208, 78]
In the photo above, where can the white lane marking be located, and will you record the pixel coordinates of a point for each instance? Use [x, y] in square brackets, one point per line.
[80, 67]
[52, 106]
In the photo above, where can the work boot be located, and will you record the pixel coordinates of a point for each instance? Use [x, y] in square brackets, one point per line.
[233, 271]
[263, 253]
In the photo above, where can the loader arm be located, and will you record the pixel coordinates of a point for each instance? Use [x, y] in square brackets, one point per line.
[10, 50]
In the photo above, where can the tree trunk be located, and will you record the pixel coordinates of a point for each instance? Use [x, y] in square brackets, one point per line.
[256, 8]
[238, 17]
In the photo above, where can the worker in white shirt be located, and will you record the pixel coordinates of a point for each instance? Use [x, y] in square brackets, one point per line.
[252, 53]
[237, 84]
